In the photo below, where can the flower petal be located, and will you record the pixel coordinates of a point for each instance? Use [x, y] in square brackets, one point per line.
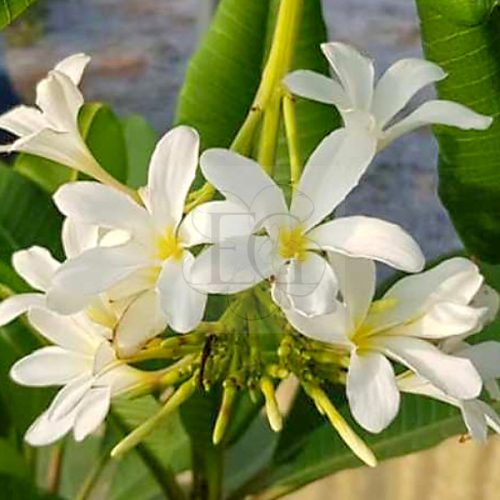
[437, 113]
[141, 321]
[92, 412]
[234, 265]
[455, 280]
[63, 331]
[171, 172]
[485, 357]
[22, 121]
[73, 66]
[243, 181]
[475, 419]
[36, 265]
[78, 237]
[12, 307]
[311, 285]
[355, 72]
[67, 148]
[44, 431]
[357, 279]
[399, 84]
[441, 320]
[317, 87]
[331, 173]
[96, 204]
[183, 305]
[93, 272]
[372, 391]
[215, 221]
[455, 376]
[60, 101]
[370, 238]
[331, 328]
[70, 396]
[49, 366]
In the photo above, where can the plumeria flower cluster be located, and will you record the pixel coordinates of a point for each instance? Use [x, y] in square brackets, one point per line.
[140, 270]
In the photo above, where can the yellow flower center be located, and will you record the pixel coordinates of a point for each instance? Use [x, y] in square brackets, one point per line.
[101, 315]
[292, 243]
[369, 327]
[168, 245]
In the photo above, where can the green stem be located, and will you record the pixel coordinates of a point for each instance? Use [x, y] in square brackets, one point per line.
[277, 66]
[55, 468]
[137, 435]
[292, 139]
[269, 133]
[208, 469]
[91, 480]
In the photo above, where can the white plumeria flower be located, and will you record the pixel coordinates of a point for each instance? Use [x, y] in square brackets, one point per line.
[373, 108]
[477, 414]
[403, 326]
[289, 252]
[83, 361]
[153, 260]
[37, 267]
[51, 130]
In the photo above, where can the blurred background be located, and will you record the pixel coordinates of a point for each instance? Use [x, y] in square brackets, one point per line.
[139, 52]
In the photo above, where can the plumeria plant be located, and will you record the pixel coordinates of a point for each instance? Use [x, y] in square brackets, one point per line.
[209, 316]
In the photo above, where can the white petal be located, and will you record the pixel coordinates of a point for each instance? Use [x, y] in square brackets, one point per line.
[485, 357]
[78, 237]
[331, 173]
[44, 431]
[36, 265]
[372, 391]
[455, 376]
[93, 272]
[489, 299]
[63, 331]
[399, 84]
[370, 238]
[311, 285]
[138, 282]
[73, 66]
[171, 172]
[453, 280]
[441, 320]
[70, 396]
[120, 379]
[92, 412]
[475, 419]
[215, 221]
[96, 204]
[357, 279]
[330, 328]
[182, 304]
[22, 121]
[60, 101]
[141, 321]
[354, 71]
[439, 113]
[67, 148]
[12, 307]
[318, 87]
[49, 366]
[243, 181]
[234, 265]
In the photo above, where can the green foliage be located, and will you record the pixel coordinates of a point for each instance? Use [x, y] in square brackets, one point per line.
[10, 9]
[140, 140]
[27, 216]
[469, 165]
[467, 12]
[222, 77]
